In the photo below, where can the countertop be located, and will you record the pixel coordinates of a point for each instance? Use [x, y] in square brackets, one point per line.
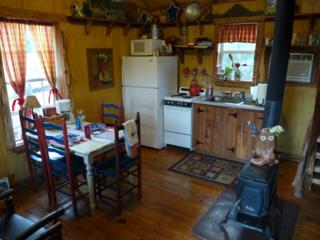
[202, 100]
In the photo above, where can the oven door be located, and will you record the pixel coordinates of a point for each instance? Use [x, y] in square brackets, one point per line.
[178, 119]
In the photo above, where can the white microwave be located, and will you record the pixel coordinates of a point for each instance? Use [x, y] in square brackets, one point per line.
[144, 47]
[300, 67]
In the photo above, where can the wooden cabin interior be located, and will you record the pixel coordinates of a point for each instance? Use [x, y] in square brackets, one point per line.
[172, 202]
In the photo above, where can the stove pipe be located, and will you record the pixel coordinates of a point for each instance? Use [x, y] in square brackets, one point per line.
[279, 61]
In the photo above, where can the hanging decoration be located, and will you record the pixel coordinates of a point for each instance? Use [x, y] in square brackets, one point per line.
[172, 12]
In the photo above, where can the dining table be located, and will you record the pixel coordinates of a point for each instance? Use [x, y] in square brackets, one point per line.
[100, 142]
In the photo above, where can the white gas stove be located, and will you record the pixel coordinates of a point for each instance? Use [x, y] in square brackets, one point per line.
[178, 118]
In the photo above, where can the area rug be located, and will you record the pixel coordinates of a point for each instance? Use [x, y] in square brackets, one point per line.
[209, 226]
[209, 168]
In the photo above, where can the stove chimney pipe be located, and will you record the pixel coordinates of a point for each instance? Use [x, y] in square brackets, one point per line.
[279, 61]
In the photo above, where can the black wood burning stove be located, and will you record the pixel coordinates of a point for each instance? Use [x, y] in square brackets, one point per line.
[257, 199]
[256, 188]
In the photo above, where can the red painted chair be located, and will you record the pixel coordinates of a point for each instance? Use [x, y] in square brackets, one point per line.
[113, 172]
[66, 169]
[36, 164]
[111, 112]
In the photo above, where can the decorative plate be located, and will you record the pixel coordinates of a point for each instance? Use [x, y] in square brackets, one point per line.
[192, 11]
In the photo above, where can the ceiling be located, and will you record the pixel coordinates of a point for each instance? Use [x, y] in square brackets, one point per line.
[163, 4]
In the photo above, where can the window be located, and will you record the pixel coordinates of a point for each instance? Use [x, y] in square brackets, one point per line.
[36, 84]
[237, 53]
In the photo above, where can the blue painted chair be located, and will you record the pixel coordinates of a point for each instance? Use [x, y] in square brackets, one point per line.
[36, 165]
[111, 112]
[114, 173]
[66, 169]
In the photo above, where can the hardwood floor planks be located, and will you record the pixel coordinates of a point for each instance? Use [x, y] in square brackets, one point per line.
[171, 204]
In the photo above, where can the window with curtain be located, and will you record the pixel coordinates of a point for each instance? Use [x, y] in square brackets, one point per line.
[28, 57]
[236, 51]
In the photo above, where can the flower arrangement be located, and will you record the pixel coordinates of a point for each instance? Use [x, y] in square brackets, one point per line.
[265, 134]
[236, 67]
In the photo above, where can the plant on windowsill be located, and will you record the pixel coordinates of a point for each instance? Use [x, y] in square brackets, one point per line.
[225, 73]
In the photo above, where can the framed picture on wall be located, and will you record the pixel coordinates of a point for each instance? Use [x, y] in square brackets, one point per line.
[100, 68]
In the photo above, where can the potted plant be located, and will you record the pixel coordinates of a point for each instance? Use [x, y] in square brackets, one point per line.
[226, 73]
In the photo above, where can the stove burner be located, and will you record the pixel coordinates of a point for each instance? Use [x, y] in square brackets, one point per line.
[179, 95]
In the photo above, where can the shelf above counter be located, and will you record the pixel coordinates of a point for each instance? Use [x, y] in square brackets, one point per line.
[199, 49]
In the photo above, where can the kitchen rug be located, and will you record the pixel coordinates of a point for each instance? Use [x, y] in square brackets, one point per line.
[209, 226]
[208, 167]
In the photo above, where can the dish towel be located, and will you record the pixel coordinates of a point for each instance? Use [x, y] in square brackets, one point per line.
[131, 138]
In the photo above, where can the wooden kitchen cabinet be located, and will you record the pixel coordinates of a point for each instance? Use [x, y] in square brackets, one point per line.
[224, 143]
[223, 131]
[203, 124]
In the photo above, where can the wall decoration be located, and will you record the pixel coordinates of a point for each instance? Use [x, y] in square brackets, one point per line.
[100, 68]
[172, 12]
[270, 7]
[192, 11]
[238, 10]
[108, 9]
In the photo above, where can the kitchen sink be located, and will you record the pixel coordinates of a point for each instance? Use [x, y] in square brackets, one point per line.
[227, 99]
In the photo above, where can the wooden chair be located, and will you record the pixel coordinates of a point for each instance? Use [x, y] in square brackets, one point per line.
[36, 164]
[65, 168]
[16, 227]
[118, 169]
[111, 112]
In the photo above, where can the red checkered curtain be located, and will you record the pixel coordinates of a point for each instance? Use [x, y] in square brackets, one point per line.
[13, 53]
[244, 32]
[43, 38]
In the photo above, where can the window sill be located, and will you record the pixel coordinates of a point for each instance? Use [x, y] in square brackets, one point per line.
[233, 83]
[17, 149]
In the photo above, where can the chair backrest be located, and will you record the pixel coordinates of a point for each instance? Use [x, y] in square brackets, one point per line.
[54, 141]
[111, 112]
[120, 141]
[30, 134]
[24, 228]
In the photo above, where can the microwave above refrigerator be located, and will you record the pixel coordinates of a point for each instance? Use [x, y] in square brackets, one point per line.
[300, 67]
[144, 47]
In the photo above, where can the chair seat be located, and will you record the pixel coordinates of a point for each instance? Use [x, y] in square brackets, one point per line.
[107, 166]
[13, 225]
[59, 165]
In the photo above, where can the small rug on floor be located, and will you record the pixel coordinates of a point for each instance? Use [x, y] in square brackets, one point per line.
[208, 167]
[209, 226]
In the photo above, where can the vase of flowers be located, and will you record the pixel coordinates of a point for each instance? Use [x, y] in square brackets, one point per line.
[237, 74]
[236, 71]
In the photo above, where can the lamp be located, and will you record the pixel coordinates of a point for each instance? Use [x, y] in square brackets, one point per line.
[32, 102]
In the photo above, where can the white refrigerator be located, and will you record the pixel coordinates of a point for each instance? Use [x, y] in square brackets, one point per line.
[146, 81]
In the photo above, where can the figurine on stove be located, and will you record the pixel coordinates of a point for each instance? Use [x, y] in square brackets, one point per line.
[194, 88]
[264, 150]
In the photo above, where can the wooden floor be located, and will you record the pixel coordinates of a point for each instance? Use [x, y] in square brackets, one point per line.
[171, 204]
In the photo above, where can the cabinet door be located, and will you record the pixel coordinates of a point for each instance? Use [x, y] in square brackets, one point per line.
[202, 128]
[246, 142]
[224, 142]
